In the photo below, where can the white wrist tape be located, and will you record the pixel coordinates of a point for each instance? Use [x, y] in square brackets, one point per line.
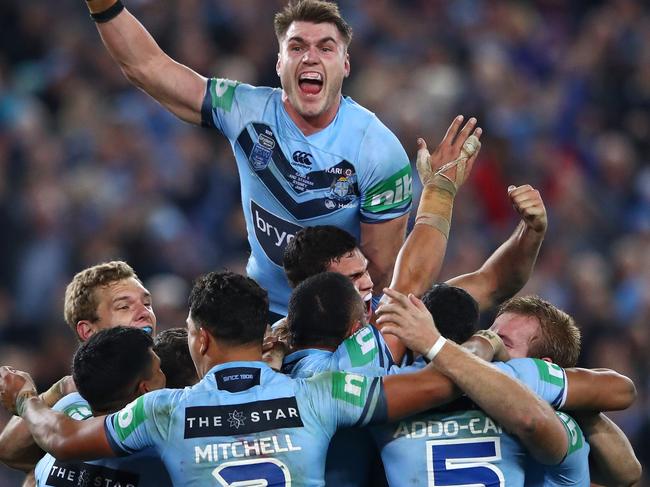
[435, 349]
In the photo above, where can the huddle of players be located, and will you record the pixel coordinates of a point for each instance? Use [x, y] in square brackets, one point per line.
[245, 422]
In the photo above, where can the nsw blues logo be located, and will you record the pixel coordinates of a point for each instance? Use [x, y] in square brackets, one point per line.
[342, 189]
[262, 152]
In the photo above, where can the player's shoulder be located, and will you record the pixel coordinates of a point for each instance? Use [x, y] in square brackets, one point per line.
[356, 114]
[224, 92]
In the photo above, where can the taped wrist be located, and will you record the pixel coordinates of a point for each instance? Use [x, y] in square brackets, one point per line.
[53, 394]
[436, 205]
[21, 400]
[104, 10]
[494, 339]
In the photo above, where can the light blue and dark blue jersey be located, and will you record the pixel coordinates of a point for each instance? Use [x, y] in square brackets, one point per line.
[464, 446]
[355, 170]
[141, 470]
[243, 422]
[364, 352]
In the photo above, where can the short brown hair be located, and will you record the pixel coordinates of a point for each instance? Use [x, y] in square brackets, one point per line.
[316, 11]
[560, 337]
[80, 299]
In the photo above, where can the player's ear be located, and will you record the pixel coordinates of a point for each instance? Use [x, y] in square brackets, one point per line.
[346, 65]
[547, 359]
[278, 65]
[85, 329]
[204, 341]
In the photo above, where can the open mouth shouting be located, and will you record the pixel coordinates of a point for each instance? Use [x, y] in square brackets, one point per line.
[310, 83]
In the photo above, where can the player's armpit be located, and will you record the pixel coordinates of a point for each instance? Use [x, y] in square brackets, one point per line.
[598, 390]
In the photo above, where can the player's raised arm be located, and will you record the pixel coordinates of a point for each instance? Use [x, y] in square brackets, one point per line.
[54, 432]
[175, 86]
[525, 415]
[441, 173]
[508, 269]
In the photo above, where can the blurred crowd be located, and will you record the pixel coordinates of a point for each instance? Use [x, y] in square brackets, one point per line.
[91, 169]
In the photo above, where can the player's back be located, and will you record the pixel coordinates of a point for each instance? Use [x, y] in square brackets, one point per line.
[453, 447]
[244, 422]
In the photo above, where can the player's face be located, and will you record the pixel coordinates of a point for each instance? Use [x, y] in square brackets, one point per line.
[517, 332]
[312, 63]
[355, 266]
[124, 303]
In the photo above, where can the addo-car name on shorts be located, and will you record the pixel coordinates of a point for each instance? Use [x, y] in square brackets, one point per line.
[239, 419]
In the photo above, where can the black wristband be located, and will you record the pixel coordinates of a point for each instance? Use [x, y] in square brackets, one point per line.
[108, 14]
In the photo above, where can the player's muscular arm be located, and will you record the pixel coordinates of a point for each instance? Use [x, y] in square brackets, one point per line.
[143, 62]
[508, 269]
[420, 258]
[525, 415]
[598, 390]
[17, 447]
[56, 433]
[611, 458]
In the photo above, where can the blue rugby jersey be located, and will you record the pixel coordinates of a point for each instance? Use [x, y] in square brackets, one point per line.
[141, 470]
[464, 447]
[243, 422]
[355, 170]
[365, 352]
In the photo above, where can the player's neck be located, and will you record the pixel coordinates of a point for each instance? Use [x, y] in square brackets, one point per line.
[310, 125]
[223, 354]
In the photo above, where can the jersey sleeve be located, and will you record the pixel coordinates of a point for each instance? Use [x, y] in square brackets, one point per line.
[545, 379]
[343, 399]
[140, 424]
[385, 180]
[227, 103]
[365, 351]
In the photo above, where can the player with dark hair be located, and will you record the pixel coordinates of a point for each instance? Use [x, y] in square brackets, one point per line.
[99, 297]
[423, 445]
[175, 359]
[111, 369]
[454, 311]
[244, 422]
[314, 249]
[322, 320]
[306, 155]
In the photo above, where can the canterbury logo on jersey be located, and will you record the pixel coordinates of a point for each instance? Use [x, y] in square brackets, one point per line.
[76, 474]
[334, 187]
[239, 419]
[302, 158]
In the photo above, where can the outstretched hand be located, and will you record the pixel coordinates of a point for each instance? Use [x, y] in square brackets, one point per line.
[14, 384]
[527, 201]
[453, 158]
[408, 319]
